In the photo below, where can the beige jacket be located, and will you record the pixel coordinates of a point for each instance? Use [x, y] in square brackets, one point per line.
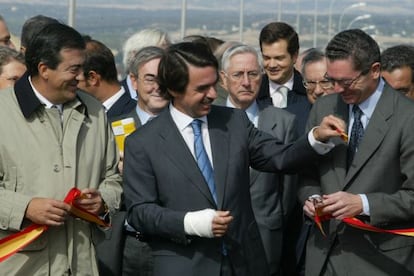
[38, 159]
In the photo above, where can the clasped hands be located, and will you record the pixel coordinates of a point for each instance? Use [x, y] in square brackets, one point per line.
[52, 212]
[339, 205]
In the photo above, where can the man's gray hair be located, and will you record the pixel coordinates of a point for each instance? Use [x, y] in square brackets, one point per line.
[143, 56]
[240, 49]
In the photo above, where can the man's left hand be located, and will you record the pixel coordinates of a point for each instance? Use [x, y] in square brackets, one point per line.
[342, 205]
[91, 201]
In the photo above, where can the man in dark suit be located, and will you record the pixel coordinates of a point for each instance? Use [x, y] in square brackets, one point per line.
[282, 87]
[122, 253]
[199, 221]
[100, 80]
[372, 178]
[271, 193]
[282, 84]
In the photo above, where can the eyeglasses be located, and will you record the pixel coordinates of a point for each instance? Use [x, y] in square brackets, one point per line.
[344, 83]
[238, 76]
[324, 84]
[149, 80]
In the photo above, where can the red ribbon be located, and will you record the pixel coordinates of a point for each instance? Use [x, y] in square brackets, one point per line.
[13, 243]
[356, 223]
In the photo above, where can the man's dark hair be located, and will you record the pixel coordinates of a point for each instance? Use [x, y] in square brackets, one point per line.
[212, 42]
[32, 26]
[47, 44]
[100, 59]
[396, 57]
[357, 45]
[276, 31]
[173, 68]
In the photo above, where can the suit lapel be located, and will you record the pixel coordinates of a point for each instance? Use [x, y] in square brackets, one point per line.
[339, 158]
[180, 155]
[266, 124]
[374, 134]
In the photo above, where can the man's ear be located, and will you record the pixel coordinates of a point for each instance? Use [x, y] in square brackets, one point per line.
[43, 70]
[223, 80]
[93, 78]
[134, 81]
[376, 70]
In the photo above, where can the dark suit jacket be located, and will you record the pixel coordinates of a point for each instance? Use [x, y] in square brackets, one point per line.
[124, 84]
[301, 110]
[297, 101]
[162, 182]
[110, 251]
[383, 169]
[123, 105]
[297, 94]
[273, 195]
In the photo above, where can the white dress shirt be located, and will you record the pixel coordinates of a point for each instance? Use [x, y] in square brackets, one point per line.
[274, 89]
[183, 122]
[112, 100]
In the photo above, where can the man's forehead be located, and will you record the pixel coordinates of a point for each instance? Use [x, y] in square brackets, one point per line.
[4, 31]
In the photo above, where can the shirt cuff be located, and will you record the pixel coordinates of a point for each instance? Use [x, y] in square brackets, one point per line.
[365, 205]
[319, 147]
[199, 223]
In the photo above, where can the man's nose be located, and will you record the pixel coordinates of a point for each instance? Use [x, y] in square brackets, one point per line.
[212, 93]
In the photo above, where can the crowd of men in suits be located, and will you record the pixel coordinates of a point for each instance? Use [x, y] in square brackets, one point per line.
[236, 152]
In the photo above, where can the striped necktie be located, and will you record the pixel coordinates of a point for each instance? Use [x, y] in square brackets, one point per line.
[202, 158]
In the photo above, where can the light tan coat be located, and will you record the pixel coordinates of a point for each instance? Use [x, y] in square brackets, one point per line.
[39, 160]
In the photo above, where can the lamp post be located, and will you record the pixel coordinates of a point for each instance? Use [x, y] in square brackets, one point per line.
[315, 25]
[358, 18]
[71, 13]
[183, 17]
[353, 6]
[279, 11]
[298, 16]
[241, 20]
[330, 19]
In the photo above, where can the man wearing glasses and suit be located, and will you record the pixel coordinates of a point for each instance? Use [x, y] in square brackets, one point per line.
[371, 177]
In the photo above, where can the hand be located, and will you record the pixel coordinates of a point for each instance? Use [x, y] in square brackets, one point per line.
[309, 208]
[221, 223]
[91, 201]
[342, 205]
[47, 211]
[121, 163]
[330, 126]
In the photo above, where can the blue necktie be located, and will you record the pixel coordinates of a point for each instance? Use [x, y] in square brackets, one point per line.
[202, 158]
[357, 132]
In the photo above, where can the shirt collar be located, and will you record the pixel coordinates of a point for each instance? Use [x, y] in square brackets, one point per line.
[29, 103]
[42, 99]
[252, 111]
[181, 119]
[274, 86]
[112, 100]
[143, 115]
